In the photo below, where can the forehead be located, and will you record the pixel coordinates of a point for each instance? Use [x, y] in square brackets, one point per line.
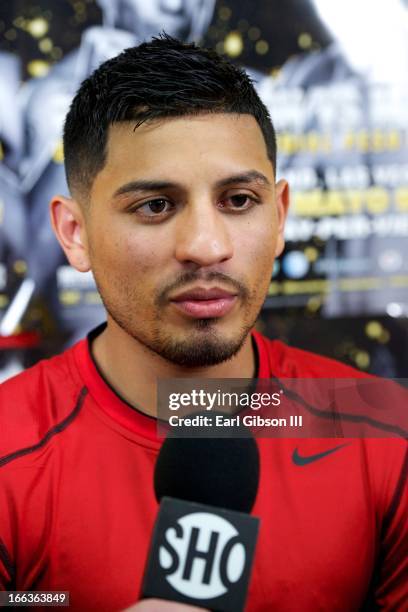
[180, 144]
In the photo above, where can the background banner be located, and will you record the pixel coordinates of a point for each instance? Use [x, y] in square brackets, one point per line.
[334, 77]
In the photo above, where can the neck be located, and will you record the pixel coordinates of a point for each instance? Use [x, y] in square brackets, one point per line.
[132, 369]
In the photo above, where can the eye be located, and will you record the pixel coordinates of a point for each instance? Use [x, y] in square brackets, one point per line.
[154, 208]
[239, 201]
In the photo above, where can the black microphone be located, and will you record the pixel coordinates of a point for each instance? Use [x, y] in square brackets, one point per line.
[204, 540]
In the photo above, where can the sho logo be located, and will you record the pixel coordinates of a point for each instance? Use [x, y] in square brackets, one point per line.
[202, 555]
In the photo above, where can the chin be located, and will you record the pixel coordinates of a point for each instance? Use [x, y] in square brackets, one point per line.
[205, 348]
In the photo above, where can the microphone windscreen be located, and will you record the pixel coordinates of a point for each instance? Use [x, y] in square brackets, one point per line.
[221, 472]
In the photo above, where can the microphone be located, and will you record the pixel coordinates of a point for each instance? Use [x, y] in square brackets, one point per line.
[203, 540]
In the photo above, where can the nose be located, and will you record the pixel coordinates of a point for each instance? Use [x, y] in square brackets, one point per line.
[171, 6]
[203, 237]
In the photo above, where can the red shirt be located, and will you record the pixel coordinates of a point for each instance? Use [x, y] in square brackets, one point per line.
[77, 504]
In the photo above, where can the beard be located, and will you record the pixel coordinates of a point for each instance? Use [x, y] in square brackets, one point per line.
[201, 345]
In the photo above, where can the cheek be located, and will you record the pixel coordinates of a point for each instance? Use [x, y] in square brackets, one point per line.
[141, 256]
[256, 251]
[126, 253]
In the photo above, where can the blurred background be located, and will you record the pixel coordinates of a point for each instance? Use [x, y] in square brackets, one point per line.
[335, 79]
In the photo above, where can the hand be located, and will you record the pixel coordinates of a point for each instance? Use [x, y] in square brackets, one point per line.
[160, 605]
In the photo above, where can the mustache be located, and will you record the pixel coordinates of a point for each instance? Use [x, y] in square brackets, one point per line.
[188, 278]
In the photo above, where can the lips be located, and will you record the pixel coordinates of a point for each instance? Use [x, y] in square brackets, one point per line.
[203, 303]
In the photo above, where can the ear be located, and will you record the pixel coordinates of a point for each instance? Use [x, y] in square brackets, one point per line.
[68, 222]
[282, 204]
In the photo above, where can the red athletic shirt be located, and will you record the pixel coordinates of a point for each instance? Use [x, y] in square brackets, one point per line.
[77, 505]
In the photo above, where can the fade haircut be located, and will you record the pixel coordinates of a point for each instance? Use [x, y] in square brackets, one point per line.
[158, 79]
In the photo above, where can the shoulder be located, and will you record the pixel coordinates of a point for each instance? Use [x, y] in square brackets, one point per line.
[290, 362]
[37, 401]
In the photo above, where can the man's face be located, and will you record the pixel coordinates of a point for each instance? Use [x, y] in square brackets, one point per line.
[147, 19]
[183, 226]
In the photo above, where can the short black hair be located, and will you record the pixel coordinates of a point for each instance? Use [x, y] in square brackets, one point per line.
[158, 79]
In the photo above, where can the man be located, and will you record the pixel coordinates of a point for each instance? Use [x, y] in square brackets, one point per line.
[170, 158]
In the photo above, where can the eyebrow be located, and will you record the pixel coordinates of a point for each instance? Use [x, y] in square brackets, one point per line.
[252, 176]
